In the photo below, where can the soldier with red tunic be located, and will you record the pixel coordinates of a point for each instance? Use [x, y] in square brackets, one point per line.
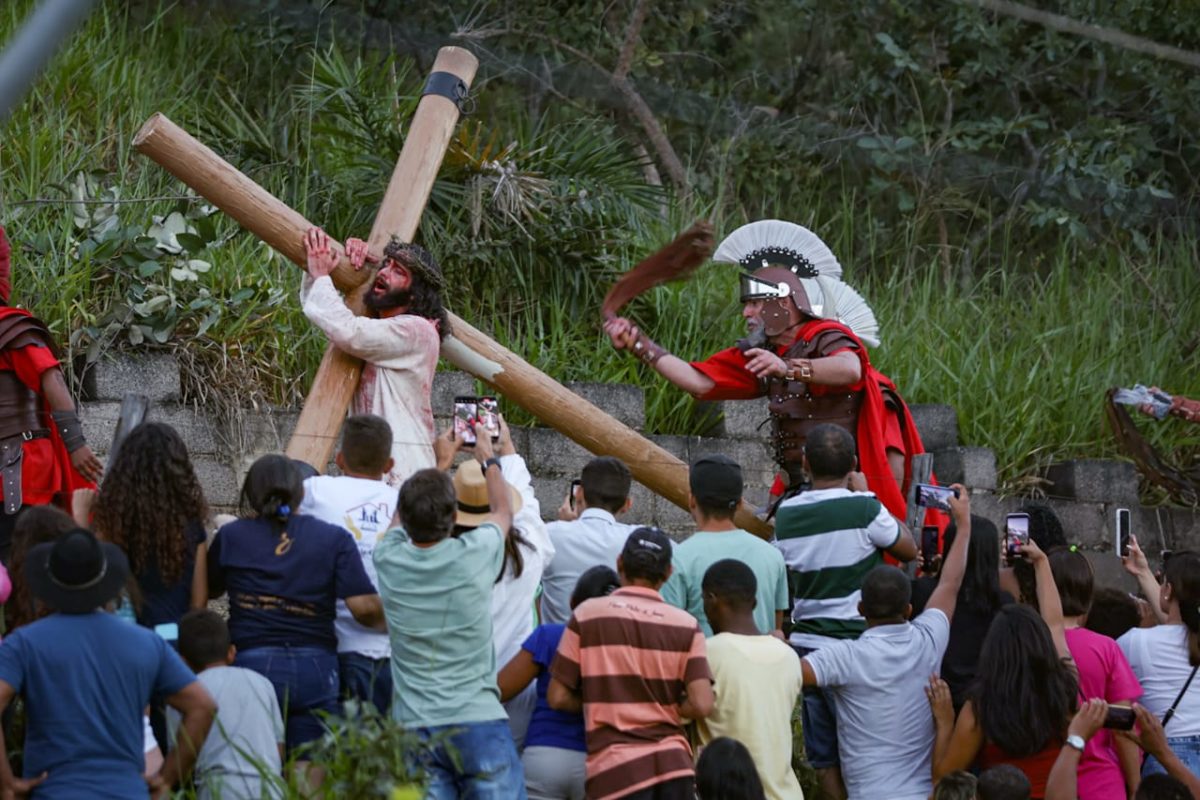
[43, 454]
[805, 351]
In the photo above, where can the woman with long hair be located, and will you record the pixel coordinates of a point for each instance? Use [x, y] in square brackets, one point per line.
[1024, 693]
[285, 572]
[1165, 658]
[152, 506]
[979, 599]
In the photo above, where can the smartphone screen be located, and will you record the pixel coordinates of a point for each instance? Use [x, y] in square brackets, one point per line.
[1122, 528]
[571, 494]
[489, 410]
[929, 496]
[1016, 533]
[168, 631]
[929, 545]
[465, 411]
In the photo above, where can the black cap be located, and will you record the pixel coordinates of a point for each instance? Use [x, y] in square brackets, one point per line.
[648, 550]
[716, 481]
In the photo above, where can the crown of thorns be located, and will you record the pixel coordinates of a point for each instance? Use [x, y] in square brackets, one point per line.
[781, 256]
[416, 258]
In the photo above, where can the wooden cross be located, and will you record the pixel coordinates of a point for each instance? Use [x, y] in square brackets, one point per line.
[468, 349]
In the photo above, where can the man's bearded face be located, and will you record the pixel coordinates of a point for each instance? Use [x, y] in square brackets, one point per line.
[392, 287]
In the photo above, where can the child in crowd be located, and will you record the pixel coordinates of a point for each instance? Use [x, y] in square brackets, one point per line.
[725, 771]
[555, 747]
[958, 785]
[35, 525]
[360, 501]
[241, 758]
[757, 679]
[1003, 782]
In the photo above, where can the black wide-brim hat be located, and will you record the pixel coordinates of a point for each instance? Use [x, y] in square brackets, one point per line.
[76, 573]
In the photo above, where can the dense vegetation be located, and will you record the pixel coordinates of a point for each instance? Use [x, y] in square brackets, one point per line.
[1018, 205]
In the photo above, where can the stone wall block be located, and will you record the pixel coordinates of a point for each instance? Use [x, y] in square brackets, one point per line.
[739, 419]
[624, 401]
[937, 424]
[973, 467]
[222, 486]
[154, 375]
[1094, 480]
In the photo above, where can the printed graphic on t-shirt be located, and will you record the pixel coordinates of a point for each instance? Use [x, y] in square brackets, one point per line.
[368, 518]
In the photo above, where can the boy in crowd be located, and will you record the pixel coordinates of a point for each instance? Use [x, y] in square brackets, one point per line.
[715, 484]
[756, 679]
[85, 676]
[246, 741]
[635, 667]
[360, 501]
[594, 538]
[831, 536]
[878, 680]
[436, 591]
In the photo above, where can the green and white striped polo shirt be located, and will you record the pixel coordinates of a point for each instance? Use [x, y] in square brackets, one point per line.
[830, 540]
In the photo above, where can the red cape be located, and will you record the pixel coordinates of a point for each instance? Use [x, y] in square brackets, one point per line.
[71, 479]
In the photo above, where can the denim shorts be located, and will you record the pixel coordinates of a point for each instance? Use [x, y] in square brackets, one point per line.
[819, 720]
[305, 681]
[474, 759]
[366, 679]
[1187, 748]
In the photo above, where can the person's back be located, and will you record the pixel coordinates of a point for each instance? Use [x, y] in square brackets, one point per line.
[756, 680]
[85, 679]
[715, 484]
[244, 744]
[594, 539]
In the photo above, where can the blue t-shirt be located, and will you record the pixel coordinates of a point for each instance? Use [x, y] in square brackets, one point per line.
[163, 602]
[86, 679]
[548, 727]
[284, 587]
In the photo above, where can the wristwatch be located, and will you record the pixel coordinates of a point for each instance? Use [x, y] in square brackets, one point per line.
[490, 461]
[1076, 741]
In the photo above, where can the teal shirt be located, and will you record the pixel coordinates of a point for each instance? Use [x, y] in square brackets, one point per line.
[705, 548]
[438, 606]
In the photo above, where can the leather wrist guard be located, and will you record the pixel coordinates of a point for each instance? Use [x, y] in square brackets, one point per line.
[70, 429]
[646, 350]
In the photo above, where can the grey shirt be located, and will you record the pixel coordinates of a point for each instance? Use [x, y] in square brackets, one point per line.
[595, 539]
[885, 730]
[243, 742]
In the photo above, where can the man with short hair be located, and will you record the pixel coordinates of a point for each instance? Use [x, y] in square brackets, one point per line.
[756, 679]
[362, 502]
[436, 591]
[592, 539]
[878, 680]
[246, 744]
[635, 667]
[831, 537]
[715, 484]
[86, 676]
[399, 340]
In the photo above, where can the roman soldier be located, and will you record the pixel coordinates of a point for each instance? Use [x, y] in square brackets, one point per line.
[806, 350]
[43, 453]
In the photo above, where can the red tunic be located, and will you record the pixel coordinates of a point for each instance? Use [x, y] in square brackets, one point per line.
[879, 427]
[46, 471]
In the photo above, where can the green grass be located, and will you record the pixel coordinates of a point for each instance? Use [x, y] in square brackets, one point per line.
[1024, 346]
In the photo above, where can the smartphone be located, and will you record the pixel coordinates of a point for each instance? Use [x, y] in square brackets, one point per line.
[929, 546]
[466, 409]
[571, 494]
[489, 415]
[1119, 718]
[1122, 529]
[1016, 533]
[930, 496]
[168, 631]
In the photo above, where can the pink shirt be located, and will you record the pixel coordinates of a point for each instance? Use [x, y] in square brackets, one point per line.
[1103, 672]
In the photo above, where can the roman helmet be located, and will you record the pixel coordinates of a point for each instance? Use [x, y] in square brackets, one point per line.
[796, 275]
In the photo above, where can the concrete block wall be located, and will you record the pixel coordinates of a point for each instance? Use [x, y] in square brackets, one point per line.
[1084, 493]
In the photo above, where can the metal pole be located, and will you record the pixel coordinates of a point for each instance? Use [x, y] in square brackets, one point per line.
[35, 44]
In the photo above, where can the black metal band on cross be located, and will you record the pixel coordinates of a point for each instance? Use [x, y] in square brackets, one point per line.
[449, 86]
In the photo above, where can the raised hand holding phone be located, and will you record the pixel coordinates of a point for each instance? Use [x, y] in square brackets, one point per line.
[466, 411]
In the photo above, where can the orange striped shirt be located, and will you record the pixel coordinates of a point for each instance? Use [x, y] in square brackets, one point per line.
[631, 656]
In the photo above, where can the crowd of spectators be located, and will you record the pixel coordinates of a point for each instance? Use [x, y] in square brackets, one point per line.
[587, 658]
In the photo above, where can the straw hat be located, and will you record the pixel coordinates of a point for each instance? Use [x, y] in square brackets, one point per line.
[470, 487]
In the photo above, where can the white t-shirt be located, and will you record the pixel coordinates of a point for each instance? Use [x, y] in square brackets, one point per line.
[756, 683]
[885, 728]
[595, 539]
[364, 508]
[401, 354]
[1159, 658]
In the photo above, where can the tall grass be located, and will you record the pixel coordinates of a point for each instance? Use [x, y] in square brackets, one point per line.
[1024, 349]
